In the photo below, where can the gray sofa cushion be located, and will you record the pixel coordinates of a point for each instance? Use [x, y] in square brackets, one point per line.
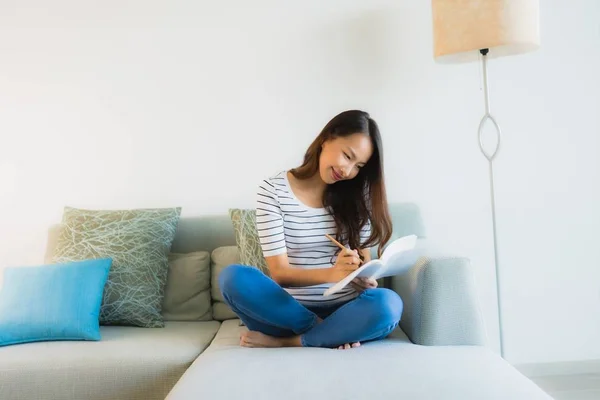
[390, 369]
[129, 363]
[187, 292]
[221, 257]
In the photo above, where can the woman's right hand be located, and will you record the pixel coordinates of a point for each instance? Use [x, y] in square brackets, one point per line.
[346, 263]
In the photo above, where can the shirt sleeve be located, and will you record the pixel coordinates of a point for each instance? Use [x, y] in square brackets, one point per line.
[269, 220]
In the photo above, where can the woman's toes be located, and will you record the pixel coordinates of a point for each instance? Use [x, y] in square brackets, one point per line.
[348, 346]
[245, 339]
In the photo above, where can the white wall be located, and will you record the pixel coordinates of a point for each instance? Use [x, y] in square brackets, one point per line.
[136, 103]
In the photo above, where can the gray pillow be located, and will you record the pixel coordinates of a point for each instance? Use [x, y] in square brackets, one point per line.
[139, 242]
[222, 257]
[246, 237]
[187, 293]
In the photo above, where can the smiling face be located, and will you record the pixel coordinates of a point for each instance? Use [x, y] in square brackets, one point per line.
[343, 157]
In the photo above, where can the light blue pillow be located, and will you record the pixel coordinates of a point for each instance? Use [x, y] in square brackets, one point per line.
[52, 302]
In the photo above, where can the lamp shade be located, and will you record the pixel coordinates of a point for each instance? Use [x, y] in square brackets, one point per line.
[462, 27]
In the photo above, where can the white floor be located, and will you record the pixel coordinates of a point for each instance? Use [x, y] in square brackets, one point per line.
[566, 381]
[571, 387]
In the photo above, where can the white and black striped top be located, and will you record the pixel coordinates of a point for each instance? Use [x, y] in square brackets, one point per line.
[286, 225]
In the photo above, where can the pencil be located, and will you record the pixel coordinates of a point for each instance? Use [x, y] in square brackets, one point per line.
[341, 246]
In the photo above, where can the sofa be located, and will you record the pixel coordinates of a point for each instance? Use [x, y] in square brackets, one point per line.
[439, 350]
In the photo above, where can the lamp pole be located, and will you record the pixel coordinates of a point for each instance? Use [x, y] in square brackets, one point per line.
[490, 156]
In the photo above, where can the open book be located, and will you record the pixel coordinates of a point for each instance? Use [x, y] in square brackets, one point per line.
[397, 257]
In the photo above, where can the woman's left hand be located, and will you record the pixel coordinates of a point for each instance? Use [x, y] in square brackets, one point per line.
[361, 284]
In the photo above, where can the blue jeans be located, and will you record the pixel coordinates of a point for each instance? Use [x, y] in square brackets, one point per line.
[264, 306]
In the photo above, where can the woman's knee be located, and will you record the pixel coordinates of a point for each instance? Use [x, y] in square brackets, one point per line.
[234, 278]
[387, 303]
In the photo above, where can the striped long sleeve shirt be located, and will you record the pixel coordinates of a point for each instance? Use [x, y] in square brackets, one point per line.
[286, 225]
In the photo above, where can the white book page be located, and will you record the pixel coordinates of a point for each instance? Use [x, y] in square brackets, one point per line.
[367, 270]
[399, 263]
[398, 257]
[398, 246]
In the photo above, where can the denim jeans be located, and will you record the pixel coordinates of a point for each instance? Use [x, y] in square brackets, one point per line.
[266, 307]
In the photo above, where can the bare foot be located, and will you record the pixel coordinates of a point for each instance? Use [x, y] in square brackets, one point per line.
[348, 346]
[258, 339]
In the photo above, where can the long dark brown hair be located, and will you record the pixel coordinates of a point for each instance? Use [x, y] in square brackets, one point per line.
[353, 202]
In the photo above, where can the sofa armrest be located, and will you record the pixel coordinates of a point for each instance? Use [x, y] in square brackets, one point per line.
[441, 306]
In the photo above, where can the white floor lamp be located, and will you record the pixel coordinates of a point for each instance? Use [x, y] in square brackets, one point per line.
[471, 30]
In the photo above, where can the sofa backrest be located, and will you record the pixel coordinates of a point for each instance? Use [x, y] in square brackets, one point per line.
[205, 234]
[407, 220]
[210, 232]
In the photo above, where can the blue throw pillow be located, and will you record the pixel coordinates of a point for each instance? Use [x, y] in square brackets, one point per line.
[52, 302]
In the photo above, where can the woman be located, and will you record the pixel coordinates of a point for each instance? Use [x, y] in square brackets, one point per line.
[338, 190]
